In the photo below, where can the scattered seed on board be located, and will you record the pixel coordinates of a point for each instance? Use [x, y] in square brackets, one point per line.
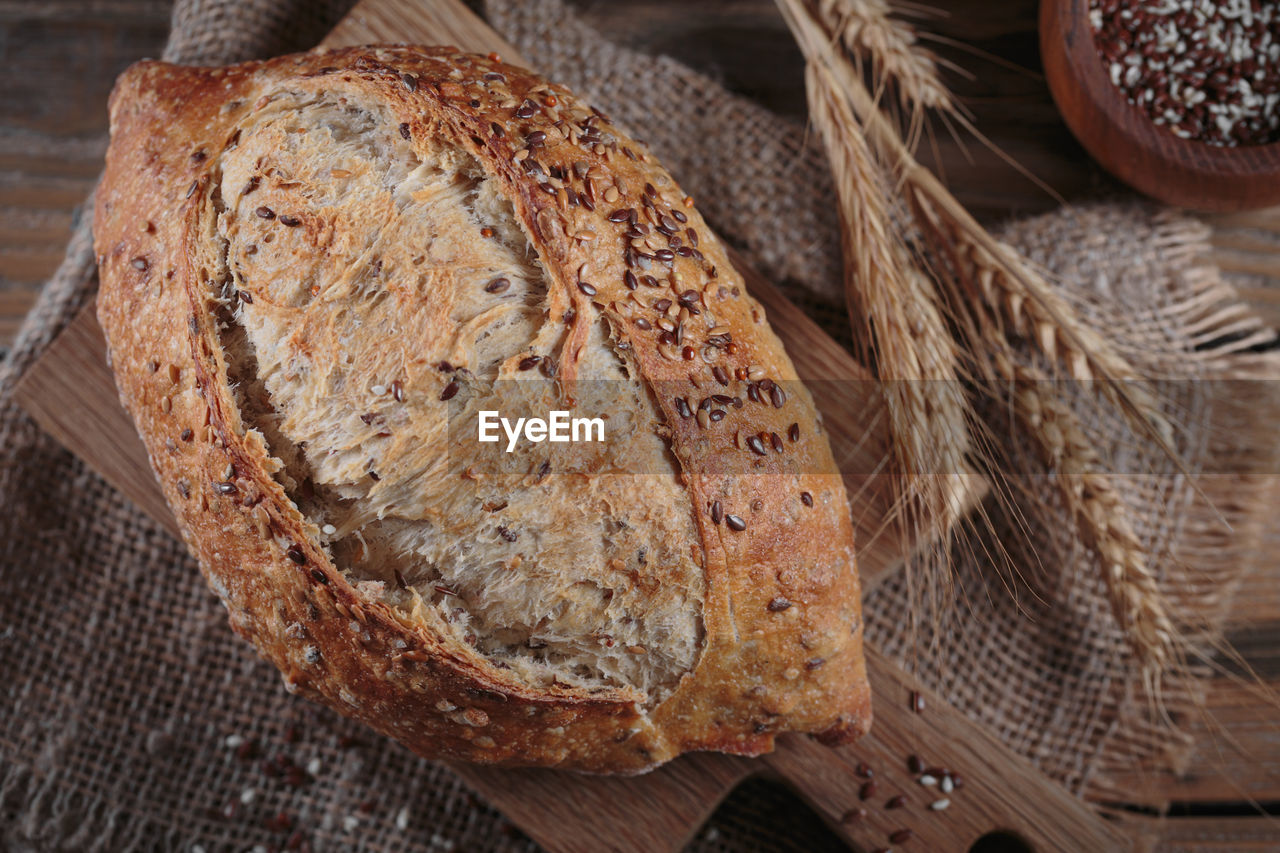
[939, 805]
[868, 790]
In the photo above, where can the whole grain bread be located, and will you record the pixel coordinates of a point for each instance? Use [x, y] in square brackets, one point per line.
[315, 268]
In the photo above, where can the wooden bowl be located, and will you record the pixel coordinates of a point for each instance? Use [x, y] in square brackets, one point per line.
[1122, 137]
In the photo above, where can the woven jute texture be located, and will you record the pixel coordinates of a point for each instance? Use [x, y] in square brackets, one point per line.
[132, 719]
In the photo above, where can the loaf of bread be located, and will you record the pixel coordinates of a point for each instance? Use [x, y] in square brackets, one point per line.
[318, 270]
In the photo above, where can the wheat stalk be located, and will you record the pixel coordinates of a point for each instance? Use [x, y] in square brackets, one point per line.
[990, 287]
[1099, 512]
[906, 335]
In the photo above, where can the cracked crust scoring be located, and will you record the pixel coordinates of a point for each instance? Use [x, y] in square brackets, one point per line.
[781, 628]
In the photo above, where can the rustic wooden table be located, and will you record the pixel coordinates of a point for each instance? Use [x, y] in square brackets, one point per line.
[60, 58]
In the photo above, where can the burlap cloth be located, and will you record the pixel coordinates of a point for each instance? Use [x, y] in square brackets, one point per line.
[132, 719]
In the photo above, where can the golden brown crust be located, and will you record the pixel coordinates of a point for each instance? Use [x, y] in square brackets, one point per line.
[782, 620]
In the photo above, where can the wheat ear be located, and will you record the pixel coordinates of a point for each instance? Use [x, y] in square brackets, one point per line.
[1099, 512]
[1005, 281]
[905, 333]
[868, 28]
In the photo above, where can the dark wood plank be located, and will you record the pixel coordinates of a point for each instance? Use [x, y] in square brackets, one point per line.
[58, 62]
[1203, 834]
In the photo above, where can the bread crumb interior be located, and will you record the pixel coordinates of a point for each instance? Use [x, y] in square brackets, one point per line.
[357, 287]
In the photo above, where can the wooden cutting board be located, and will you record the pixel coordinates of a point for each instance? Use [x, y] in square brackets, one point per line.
[70, 391]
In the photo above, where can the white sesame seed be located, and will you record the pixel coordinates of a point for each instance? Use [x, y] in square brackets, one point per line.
[947, 785]
[350, 823]
[233, 741]
[939, 805]
[402, 819]
[378, 390]
[248, 795]
[313, 767]
[928, 781]
[328, 530]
